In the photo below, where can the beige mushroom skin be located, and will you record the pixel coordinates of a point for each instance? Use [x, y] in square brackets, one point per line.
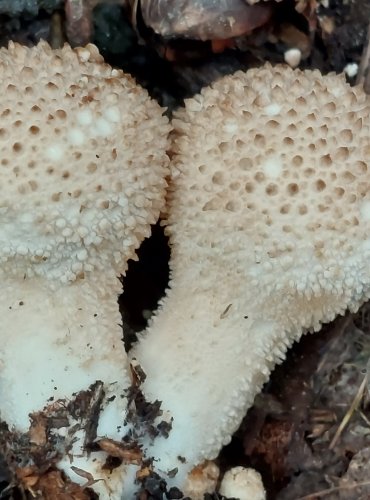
[82, 169]
[269, 224]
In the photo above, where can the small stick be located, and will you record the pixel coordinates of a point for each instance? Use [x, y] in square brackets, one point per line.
[363, 75]
[328, 491]
[347, 417]
[79, 25]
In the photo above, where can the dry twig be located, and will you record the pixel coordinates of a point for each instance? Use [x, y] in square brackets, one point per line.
[328, 491]
[347, 417]
[363, 75]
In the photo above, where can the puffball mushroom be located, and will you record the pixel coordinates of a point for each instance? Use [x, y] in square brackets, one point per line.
[269, 224]
[243, 484]
[83, 169]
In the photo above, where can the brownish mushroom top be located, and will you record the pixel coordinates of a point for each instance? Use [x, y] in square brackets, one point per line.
[83, 162]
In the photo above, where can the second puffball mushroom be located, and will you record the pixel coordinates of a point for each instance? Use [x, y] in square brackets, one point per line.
[82, 177]
[269, 223]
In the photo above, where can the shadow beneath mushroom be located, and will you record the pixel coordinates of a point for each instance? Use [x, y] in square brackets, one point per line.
[144, 284]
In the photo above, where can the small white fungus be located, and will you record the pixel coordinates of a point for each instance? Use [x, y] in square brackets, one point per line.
[293, 57]
[242, 483]
[351, 69]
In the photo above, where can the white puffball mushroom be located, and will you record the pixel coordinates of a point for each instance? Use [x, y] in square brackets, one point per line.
[351, 69]
[293, 57]
[269, 223]
[243, 484]
[82, 168]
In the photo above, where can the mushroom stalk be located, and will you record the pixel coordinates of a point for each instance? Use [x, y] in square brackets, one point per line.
[64, 338]
[219, 374]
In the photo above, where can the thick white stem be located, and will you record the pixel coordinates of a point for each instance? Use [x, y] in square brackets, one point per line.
[205, 358]
[58, 340]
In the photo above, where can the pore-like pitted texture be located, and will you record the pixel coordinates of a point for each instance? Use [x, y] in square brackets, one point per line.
[277, 162]
[269, 221]
[82, 162]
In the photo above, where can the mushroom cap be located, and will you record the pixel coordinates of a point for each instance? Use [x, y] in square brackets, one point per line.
[271, 178]
[82, 161]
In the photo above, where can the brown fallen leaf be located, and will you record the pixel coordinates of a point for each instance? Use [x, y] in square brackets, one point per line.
[38, 429]
[129, 454]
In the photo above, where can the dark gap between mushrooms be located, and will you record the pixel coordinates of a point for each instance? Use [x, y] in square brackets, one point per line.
[144, 284]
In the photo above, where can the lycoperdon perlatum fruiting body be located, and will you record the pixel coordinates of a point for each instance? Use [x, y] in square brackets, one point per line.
[82, 177]
[82, 168]
[269, 224]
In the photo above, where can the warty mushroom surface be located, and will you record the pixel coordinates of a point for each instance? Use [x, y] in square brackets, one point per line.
[269, 224]
[82, 167]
